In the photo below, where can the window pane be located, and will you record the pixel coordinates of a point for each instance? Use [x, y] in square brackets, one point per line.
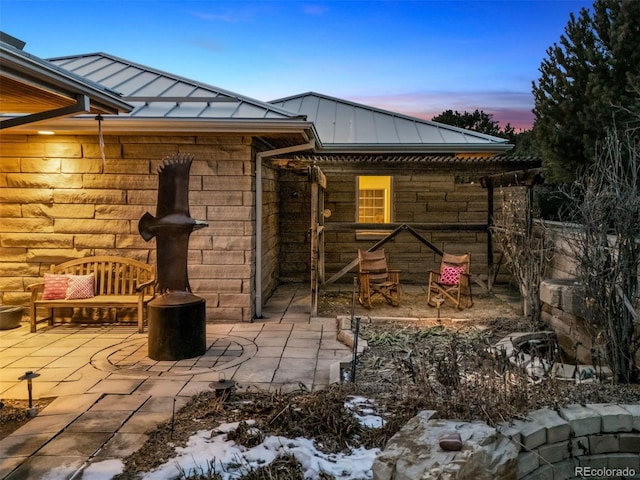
[374, 199]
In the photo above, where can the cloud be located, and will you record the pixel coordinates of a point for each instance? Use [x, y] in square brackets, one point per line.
[210, 45]
[505, 106]
[316, 10]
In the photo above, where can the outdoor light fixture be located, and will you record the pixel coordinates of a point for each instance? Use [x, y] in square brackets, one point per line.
[439, 301]
[28, 376]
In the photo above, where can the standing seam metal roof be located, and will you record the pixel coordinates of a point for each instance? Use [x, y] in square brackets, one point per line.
[343, 122]
[157, 94]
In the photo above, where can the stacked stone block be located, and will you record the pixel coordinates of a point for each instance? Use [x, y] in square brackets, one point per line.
[59, 200]
[577, 438]
[418, 197]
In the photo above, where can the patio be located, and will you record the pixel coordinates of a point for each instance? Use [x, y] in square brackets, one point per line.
[109, 393]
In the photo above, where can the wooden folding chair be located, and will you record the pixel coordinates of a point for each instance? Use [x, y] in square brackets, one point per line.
[452, 282]
[376, 278]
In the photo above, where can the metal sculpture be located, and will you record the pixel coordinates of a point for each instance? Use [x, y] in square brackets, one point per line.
[172, 225]
[177, 321]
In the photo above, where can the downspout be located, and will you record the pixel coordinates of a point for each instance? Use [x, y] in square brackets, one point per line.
[258, 258]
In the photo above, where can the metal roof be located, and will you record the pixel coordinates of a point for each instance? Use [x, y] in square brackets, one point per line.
[345, 125]
[34, 89]
[157, 94]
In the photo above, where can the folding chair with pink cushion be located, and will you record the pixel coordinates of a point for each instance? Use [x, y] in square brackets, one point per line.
[452, 282]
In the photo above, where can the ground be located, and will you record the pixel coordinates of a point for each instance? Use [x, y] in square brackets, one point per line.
[414, 362]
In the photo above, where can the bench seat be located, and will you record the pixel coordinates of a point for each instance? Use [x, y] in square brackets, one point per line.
[118, 283]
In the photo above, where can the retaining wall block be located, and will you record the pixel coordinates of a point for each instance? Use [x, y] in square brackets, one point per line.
[593, 461]
[527, 463]
[625, 460]
[614, 417]
[564, 469]
[630, 442]
[603, 444]
[554, 452]
[580, 446]
[544, 472]
[634, 410]
[583, 421]
[557, 428]
[532, 434]
[510, 433]
[551, 293]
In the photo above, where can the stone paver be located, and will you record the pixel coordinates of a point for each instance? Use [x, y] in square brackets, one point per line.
[110, 394]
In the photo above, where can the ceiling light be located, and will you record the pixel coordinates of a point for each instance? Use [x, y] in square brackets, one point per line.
[46, 132]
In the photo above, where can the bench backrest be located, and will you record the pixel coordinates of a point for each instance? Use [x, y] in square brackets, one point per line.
[113, 275]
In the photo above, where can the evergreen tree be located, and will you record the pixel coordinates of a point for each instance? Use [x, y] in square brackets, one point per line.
[478, 121]
[590, 80]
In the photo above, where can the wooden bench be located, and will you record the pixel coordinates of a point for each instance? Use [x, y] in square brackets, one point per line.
[118, 283]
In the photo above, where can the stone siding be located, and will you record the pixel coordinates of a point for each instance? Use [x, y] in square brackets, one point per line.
[270, 231]
[59, 201]
[418, 198]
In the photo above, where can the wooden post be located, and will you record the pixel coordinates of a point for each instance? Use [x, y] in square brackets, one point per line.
[490, 267]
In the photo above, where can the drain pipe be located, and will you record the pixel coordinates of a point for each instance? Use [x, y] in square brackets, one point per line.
[258, 258]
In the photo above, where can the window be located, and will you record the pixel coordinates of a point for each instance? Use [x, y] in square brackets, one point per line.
[374, 200]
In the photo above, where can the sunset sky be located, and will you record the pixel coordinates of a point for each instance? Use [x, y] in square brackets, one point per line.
[414, 57]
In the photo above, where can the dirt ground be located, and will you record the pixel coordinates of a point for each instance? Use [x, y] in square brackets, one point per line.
[503, 302]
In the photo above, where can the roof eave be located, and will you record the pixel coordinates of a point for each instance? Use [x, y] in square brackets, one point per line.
[19, 64]
[85, 124]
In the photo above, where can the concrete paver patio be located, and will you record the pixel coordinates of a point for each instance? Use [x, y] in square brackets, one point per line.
[109, 393]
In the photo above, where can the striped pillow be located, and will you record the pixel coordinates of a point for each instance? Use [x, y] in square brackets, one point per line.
[55, 286]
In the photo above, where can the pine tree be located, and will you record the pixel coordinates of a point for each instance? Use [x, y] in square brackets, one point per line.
[589, 81]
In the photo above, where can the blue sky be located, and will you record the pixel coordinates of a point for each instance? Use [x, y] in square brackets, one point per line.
[414, 57]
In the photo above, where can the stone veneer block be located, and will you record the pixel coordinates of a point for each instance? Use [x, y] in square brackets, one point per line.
[532, 434]
[579, 446]
[510, 433]
[634, 410]
[554, 452]
[527, 463]
[583, 421]
[629, 442]
[593, 461]
[557, 428]
[603, 444]
[564, 469]
[625, 460]
[614, 417]
[544, 472]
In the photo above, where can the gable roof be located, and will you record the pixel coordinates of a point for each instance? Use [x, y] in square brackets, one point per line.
[34, 89]
[158, 94]
[349, 126]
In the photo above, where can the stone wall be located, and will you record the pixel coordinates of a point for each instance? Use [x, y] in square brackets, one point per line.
[418, 198]
[270, 231]
[58, 201]
[575, 441]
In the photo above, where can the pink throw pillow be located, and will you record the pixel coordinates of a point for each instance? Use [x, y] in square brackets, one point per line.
[55, 286]
[80, 286]
[450, 275]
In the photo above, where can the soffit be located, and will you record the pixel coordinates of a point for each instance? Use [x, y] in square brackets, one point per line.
[33, 89]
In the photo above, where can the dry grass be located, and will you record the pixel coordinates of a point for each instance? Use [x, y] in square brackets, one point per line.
[407, 368]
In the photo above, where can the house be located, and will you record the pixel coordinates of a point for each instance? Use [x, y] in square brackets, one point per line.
[290, 188]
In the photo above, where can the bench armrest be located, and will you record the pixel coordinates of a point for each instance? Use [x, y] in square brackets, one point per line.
[36, 286]
[144, 285]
